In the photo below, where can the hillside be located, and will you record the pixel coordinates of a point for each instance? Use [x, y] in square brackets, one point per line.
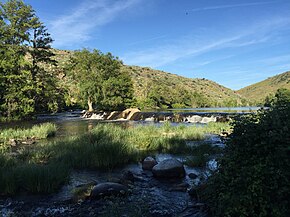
[257, 93]
[177, 91]
[159, 89]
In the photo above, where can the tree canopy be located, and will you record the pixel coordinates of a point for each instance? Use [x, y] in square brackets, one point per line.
[100, 81]
[26, 87]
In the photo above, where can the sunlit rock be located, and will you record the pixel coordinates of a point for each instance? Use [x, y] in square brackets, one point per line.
[130, 113]
[193, 119]
[206, 120]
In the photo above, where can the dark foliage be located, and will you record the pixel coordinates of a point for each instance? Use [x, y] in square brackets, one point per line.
[253, 176]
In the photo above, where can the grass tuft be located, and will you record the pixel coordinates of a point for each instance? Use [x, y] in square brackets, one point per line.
[40, 131]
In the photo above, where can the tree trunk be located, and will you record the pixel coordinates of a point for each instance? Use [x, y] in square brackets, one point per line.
[90, 104]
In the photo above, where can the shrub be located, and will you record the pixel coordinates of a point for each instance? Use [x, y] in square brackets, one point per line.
[253, 176]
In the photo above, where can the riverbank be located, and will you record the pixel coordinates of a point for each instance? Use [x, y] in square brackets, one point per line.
[45, 167]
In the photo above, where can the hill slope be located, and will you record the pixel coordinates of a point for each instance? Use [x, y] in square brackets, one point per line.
[258, 92]
[171, 90]
[158, 89]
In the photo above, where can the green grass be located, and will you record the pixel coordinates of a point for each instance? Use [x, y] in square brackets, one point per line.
[33, 178]
[170, 138]
[257, 92]
[40, 131]
[45, 167]
[103, 148]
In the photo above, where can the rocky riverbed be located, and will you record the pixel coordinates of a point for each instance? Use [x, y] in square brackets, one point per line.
[144, 195]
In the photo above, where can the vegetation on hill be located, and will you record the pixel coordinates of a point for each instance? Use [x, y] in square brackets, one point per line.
[257, 93]
[158, 89]
[253, 178]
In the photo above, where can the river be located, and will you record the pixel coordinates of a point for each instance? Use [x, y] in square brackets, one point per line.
[159, 198]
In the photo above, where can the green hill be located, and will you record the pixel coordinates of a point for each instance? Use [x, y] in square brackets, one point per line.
[159, 89]
[170, 90]
[257, 93]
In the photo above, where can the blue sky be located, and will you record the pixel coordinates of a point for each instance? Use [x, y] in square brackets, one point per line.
[233, 42]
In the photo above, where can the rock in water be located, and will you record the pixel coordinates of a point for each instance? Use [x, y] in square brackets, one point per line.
[192, 175]
[193, 119]
[108, 189]
[170, 168]
[130, 113]
[206, 120]
[148, 163]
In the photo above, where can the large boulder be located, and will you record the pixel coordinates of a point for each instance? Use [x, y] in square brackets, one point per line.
[108, 189]
[193, 119]
[170, 168]
[148, 163]
[206, 120]
[130, 113]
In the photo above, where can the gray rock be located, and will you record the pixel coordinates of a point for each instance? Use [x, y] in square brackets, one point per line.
[13, 142]
[193, 119]
[108, 189]
[206, 120]
[169, 168]
[148, 163]
[192, 175]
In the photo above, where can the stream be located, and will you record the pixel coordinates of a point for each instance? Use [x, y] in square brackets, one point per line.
[148, 196]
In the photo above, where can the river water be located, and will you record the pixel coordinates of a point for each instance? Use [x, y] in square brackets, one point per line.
[162, 198]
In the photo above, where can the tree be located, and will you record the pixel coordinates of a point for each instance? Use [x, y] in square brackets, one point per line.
[46, 92]
[24, 45]
[101, 82]
[15, 18]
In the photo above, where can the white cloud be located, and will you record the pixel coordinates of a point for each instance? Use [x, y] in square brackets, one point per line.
[162, 55]
[76, 27]
[231, 6]
[191, 46]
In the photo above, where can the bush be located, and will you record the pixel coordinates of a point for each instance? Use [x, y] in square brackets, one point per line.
[253, 176]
